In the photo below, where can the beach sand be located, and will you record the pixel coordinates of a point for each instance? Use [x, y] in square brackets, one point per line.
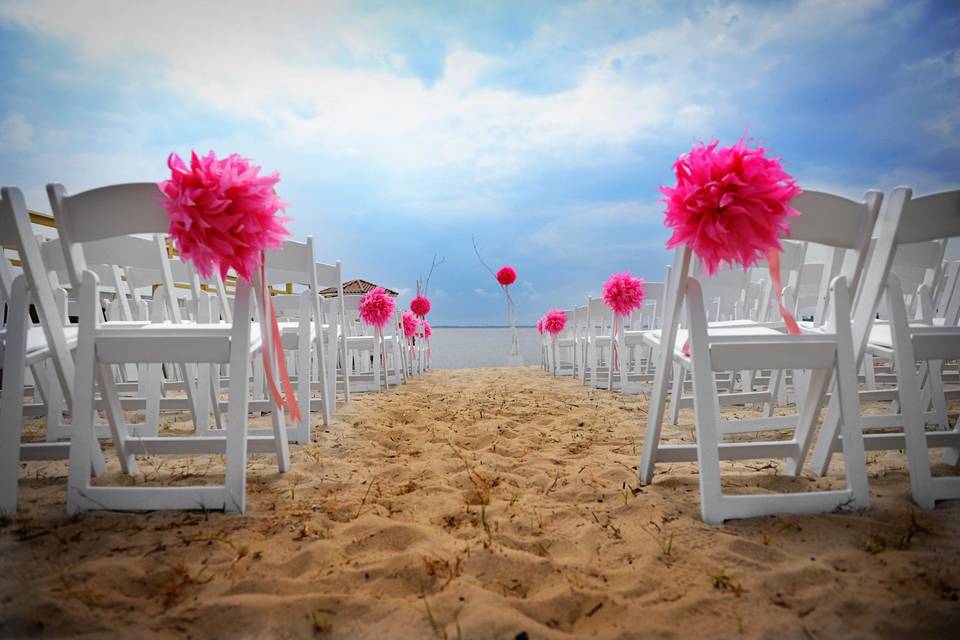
[491, 503]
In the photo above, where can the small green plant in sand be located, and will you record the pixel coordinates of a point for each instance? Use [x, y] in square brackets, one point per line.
[913, 528]
[486, 525]
[664, 541]
[722, 582]
[876, 542]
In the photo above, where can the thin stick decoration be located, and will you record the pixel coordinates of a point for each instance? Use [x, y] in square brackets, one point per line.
[511, 308]
[426, 285]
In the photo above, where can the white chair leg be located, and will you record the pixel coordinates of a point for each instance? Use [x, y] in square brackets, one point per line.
[304, 346]
[83, 438]
[679, 382]
[11, 396]
[235, 481]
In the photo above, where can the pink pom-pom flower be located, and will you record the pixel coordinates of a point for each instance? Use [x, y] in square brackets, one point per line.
[420, 306]
[376, 307]
[623, 293]
[409, 324]
[554, 322]
[425, 327]
[730, 204]
[223, 215]
[540, 326]
[507, 276]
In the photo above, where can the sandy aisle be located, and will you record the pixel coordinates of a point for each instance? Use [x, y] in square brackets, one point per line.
[479, 504]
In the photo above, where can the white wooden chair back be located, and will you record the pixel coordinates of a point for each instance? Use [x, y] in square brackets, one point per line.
[824, 219]
[119, 211]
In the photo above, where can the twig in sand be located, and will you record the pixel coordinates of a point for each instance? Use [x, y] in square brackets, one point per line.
[666, 545]
[364, 501]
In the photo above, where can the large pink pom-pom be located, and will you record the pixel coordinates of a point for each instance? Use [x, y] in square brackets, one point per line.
[623, 293]
[507, 276]
[420, 305]
[376, 308]
[409, 324]
[222, 213]
[730, 204]
[555, 321]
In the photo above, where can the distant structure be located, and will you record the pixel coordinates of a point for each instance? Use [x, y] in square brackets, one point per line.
[355, 288]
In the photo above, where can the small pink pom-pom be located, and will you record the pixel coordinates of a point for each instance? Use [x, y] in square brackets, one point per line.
[623, 293]
[730, 204]
[540, 326]
[425, 326]
[420, 305]
[409, 324]
[554, 322]
[223, 214]
[376, 308]
[507, 276]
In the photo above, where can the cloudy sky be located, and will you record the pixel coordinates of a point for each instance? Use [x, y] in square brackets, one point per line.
[544, 128]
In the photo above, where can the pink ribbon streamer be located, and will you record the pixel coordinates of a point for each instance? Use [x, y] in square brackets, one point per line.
[272, 350]
[773, 261]
[613, 342]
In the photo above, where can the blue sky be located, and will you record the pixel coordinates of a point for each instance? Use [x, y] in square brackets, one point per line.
[544, 128]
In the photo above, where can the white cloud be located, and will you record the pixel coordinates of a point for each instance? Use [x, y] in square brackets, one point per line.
[16, 133]
[618, 228]
[282, 68]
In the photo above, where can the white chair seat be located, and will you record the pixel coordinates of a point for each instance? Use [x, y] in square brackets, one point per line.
[131, 341]
[37, 342]
[881, 336]
[733, 328]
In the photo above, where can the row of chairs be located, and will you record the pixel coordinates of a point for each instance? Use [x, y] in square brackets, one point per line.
[105, 319]
[879, 305]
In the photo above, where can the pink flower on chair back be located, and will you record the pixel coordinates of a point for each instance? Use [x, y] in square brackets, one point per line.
[223, 214]
[409, 324]
[540, 326]
[376, 308]
[730, 204]
[427, 331]
[554, 322]
[507, 276]
[420, 306]
[623, 293]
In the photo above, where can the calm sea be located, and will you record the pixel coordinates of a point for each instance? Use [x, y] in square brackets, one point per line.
[468, 347]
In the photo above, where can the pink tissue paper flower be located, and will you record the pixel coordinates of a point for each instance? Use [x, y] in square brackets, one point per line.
[507, 276]
[427, 331]
[376, 308]
[730, 204]
[554, 321]
[223, 214]
[420, 305]
[540, 326]
[623, 293]
[409, 324]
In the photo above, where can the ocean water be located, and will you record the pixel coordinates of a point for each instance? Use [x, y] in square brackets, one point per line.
[471, 347]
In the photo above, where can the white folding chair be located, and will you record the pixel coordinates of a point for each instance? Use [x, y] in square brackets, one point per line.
[25, 345]
[300, 322]
[905, 220]
[121, 210]
[331, 276]
[826, 354]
